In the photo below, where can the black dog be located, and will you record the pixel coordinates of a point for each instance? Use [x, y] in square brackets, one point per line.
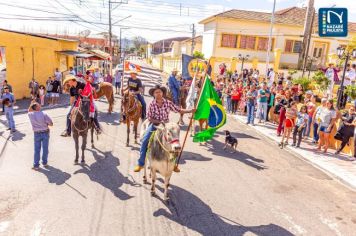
[229, 140]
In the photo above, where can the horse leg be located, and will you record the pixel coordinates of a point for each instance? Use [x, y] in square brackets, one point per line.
[135, 130]
[76, 141]
[84, 145]
[92, 136]
[166, 185]
[128, 132]
[153, 178]
[145, 173]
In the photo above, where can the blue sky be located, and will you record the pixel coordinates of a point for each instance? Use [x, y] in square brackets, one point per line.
[152, 19]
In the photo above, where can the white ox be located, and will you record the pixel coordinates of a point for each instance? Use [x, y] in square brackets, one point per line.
[163, 150]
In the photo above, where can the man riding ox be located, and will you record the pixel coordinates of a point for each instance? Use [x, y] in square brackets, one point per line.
[174, 87]
[158, 113]
[134, 85]
[77, 89]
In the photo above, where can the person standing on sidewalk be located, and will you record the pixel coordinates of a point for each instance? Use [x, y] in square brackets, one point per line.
[40, 122]
[327, 120]
[251, 97]
[5, 84]
[56, 86]
[8, 100]
[346, 129]
[311, 107]
[117, 80]
[316, 120]
[300, 124]
[291, 114]
[263, 95]
[33, 86]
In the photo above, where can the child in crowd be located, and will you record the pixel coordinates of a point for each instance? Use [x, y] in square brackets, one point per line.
[41, 93]
[291, 114]
[300, 125]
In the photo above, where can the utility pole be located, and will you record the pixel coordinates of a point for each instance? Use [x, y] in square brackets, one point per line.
[193, 41]
[110, 31]
[270, 37]
[309, 15]
[306, 55]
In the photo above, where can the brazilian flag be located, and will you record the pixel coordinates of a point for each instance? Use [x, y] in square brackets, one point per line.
[210, 108]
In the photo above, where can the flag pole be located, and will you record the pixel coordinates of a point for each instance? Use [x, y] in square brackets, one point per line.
[191, 119]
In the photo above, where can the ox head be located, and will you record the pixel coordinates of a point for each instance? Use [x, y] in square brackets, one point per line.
[170, 136]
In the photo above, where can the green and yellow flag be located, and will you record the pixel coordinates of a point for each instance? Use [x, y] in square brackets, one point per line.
[209, 107]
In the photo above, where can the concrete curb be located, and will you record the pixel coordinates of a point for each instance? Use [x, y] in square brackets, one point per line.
[345, 181]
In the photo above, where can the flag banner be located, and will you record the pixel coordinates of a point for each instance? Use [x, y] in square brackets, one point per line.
[209, 108]
[191, 96]
[186, 59]
[149, 76]
[131, 66]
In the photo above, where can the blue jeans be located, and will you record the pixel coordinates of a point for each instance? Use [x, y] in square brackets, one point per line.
[175, 97]
[9, 112]
[144, 144]
[250, 111]
[262, 111]
[315, 131]
[228, 104]
[41, 141]
[308, 129]
[69, 125]
[143, 103]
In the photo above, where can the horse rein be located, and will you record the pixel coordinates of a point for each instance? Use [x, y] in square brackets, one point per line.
[75, 116]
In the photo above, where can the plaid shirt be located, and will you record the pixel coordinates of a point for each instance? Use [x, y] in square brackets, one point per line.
[161, 113]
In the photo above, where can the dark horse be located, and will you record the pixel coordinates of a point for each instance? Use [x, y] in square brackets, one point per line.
[133, 111]
[81, 123]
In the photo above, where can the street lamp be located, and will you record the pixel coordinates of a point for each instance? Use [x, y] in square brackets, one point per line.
[243, 59]
[341, 52]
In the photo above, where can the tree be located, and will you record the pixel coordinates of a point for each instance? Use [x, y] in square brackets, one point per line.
[138, 42]
[198, 55]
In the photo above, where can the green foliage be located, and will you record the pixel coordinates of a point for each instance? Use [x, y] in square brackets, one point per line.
[321, 81]
[198, 55]
[304, 81]
[292, 72]
[351, 91]
[229, 73]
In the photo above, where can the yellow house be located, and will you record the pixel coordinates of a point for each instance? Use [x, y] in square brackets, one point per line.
[25, 56]
[234, 32]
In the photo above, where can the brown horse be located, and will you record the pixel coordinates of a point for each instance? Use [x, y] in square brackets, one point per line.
[106, 89]
[133, 112]
[81, 123]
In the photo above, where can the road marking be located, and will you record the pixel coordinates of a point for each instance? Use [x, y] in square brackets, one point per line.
[332, 225]
[4, 225]
[37, 228]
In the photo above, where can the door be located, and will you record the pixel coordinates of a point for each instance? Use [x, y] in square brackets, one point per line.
[320, 52]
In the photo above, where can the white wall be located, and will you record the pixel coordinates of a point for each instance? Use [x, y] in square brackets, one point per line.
[209, 39]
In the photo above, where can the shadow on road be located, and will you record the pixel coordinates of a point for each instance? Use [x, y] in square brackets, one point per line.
[104, 171]
[191, 156]
[54, 175]
[189, 211]
[237, 135]
[216, 148]
[17, 136]
[107, 118]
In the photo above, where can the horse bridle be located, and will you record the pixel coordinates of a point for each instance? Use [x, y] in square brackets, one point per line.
[78, 110]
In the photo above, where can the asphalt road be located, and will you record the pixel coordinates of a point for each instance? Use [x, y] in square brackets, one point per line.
[260, 190]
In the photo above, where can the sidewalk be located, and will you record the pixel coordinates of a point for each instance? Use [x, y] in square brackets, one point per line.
[22, 105]
[341, 167]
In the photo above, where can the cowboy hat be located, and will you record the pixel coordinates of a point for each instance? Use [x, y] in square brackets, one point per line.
[133, 72]
[163, 89]
[174, 70]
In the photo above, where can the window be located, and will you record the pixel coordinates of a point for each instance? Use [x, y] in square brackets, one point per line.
[247, 42]
[229, 40]
[262, 44]
[293, 46]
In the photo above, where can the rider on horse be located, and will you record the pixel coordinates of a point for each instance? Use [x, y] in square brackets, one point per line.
[158, 112]
[134, 85]
[174, 87]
